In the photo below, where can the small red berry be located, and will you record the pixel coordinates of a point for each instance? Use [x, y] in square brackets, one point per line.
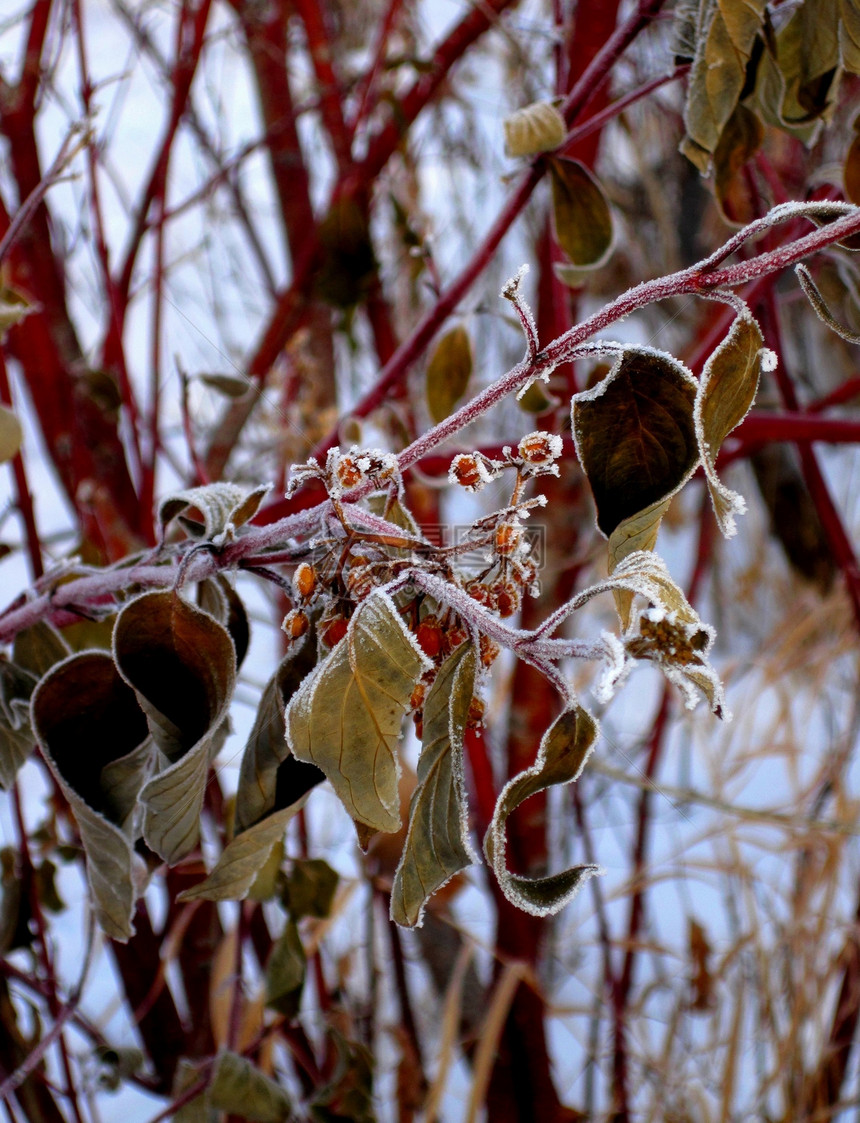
[464, 470]
[333, 630]
[540, 448]
[295, 624]
[305, 579]
[348, 473]
[429, 636]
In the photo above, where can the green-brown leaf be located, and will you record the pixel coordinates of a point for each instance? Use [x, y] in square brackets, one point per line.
[563, 752]
[448, 373]
[581, 214]
[266, 749]
[740, 140]
[639, 532]
[92, 731]
[182, 665]
[725, 37]
[437, 840]
[346, 718]
[285, 972]
[726, 392]
[634, 434]
[242, 859]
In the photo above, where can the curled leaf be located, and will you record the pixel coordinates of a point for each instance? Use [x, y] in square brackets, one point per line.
[639, 532]
[725, 35]
[266, 750]
[563, 752]
[819, 306]
[448, 373]
[634, 434]
[740, 140]
[537, 128]
[581, 214]
[224, 507]
[670, 632]
[726, 392]
[347, 716]
[181, 663]
[218, 597]
[437, 840]
[94, 738]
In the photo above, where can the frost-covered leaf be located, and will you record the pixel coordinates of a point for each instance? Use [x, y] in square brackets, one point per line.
[285, 972]
[346, 718]
[819, 305]
[725, 36]
[740, 140]
[727, 390]
[437, 840]
[224, 507]
[10, 434]
[807, 53]
[448, 372]
[639, 532]
[242, 859]
[563, 752]
[634, 434]
[581, 214]
[182, 665]
[91, 730]
[537, 128]
[218, 597]
[266, 750]
[670, 632]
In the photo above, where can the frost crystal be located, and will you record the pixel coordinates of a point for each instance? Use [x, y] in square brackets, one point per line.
[512, 285]
[768, 359]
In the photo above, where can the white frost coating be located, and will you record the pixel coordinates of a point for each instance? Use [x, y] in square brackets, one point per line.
[543, 375]
[511, 287]
[618, 667]
[768, 359]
